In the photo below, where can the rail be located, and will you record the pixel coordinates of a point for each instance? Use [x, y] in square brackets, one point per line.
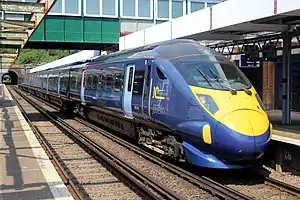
[279, 184]
[62, 173]
[141, 181]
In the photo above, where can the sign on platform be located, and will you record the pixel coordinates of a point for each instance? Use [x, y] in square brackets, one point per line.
[245, 63]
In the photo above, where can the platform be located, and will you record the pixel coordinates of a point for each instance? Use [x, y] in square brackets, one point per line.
[25, 170]
[285, 133]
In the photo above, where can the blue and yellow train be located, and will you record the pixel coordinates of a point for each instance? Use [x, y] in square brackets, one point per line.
[177, 98]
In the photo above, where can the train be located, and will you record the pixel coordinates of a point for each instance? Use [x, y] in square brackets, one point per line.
[177, 98]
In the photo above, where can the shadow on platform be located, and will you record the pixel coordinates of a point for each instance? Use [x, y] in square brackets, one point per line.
[275, 117]
[21, 176]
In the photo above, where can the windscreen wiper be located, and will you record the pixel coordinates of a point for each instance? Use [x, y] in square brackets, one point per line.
[244, 89]
[205, 77]
[233, 91]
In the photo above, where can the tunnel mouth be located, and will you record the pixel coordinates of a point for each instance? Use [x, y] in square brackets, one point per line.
[9, 78]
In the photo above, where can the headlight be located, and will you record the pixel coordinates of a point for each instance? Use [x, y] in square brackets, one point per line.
[260, 102]
[208, 102]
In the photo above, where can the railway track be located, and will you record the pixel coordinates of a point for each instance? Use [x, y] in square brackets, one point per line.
[85, 176]
[198, 188]
[214, 188]
[259, 187]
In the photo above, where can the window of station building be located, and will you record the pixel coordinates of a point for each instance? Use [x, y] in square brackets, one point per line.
[168, 9]
[177, 9]
[137, 9]
[66, 7]
[163, 9]
[144, 8]
[195, 5]
[101, 8]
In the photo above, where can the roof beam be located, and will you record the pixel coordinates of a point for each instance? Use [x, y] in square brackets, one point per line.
[14, 6]
[11, 43]
[8, 58]
[13, 34]
[246, 27]
[16, 24]
[215, 36]
[8, 66]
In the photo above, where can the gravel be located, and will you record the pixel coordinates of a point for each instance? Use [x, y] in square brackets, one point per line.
[172, 181]
[286, 177]
[263, 191]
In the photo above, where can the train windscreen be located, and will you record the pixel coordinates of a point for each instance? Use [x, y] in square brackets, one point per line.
[203, 67]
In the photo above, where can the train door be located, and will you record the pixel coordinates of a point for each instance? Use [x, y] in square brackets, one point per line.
[147, 92]
[58, 84]
[128, 87]
[82, 86]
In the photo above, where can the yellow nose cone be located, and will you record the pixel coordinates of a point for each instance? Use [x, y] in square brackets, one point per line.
[246, 122]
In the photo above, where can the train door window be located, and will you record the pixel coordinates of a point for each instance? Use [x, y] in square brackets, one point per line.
[78, 80]
[160, 74]
[148, 75]
[138, 82]
[130, 79]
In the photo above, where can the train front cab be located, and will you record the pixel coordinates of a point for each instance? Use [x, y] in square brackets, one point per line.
[235, 128]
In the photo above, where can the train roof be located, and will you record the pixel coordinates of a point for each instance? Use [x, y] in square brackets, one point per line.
[139, 51]
[166, 49]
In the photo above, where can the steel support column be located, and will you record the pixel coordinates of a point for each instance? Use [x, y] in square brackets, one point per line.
[286, 109]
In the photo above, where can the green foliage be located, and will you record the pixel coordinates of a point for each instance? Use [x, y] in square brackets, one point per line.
[38, 56]
[8, 51]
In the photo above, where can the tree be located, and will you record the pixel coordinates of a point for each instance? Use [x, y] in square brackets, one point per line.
[38, 56]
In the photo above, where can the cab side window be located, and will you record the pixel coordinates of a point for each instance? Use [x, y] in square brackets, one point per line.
[162, 91]
[160, 74]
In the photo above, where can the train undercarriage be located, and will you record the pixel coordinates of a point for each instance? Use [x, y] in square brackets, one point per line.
[162, 142]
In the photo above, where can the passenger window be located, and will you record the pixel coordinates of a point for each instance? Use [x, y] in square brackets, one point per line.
[95, 82]
[118, 82]
[100, 82]
[109, 83]
[160, 74]
[130, 79]
[88, 82]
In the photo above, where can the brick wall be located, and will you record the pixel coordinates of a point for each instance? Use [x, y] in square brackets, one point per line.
[268, 84]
